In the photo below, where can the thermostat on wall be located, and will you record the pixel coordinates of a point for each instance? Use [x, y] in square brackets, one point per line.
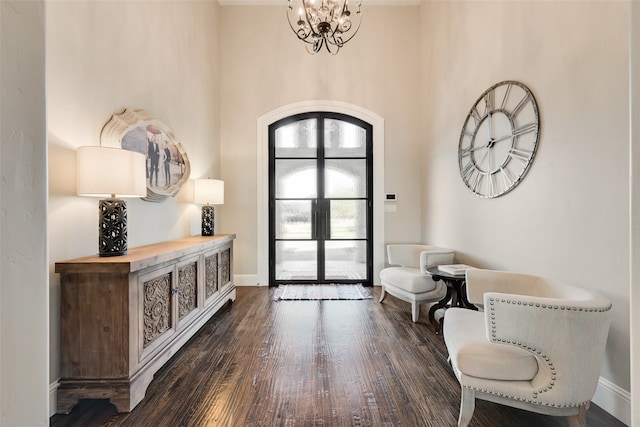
[390, 200]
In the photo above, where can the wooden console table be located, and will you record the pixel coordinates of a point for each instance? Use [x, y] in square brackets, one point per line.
[123, 317]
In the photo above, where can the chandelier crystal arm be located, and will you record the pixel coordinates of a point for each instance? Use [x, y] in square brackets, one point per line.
[300, 31]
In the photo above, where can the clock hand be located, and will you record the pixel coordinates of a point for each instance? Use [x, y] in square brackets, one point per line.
[478, 148]
[490, 168]
[502, 138]
[469, 151]
[484, 156]
[528, 128]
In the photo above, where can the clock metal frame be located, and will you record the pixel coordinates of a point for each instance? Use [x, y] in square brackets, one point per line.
[499, 139]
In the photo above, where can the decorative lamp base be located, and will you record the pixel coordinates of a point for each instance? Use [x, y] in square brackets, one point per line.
[113, 227]
[208, 220]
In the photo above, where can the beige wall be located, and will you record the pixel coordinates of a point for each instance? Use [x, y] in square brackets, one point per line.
[102, 57]
[24, 297]
[569, 218]
[265, 67]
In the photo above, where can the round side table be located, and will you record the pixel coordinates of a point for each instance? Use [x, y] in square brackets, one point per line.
[456, 295]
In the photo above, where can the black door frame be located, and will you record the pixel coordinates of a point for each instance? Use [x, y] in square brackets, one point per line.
[321, 231]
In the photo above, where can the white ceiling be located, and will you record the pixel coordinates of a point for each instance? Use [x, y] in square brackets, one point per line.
[284, 2]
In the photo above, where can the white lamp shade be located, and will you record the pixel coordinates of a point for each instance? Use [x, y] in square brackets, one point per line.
[208, 191]
[106, 171]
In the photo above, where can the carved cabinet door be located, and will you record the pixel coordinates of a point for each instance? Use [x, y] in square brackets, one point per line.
[157, 320]
[187, 293]
[218, 271]
[211, 273]
[226, 265]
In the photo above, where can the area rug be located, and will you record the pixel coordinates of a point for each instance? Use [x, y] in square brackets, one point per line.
[322, 292]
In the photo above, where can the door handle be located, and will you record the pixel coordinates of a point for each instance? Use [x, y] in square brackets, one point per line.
[314, 219]
[327, 220]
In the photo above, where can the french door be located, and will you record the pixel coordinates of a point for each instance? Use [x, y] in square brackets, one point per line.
[320, 200]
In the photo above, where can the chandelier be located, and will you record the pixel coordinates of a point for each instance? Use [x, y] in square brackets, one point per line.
[327, 23]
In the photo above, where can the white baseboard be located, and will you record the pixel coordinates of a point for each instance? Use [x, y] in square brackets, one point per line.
[613, 399]
[53, 398]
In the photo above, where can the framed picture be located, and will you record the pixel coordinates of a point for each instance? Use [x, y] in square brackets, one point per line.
[167, 163]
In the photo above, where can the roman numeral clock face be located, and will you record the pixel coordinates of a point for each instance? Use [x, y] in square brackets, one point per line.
[499, 139]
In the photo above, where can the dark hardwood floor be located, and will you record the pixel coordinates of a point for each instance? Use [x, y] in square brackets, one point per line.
[261, 362]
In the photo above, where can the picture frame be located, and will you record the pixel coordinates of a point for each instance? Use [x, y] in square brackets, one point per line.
[167, 163]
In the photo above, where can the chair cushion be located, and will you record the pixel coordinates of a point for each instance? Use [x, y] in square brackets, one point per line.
[408, 279]
[474, 355]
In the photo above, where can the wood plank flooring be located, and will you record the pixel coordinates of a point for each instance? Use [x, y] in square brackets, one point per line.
[266, 363]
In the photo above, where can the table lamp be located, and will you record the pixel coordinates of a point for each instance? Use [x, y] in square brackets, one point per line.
[208, 192]
[109, 172]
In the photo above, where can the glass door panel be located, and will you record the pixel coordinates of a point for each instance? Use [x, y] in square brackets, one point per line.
[344, 139]
[348, 219]
[297, 260]
[345, 178]
[296, 179]
[345, 260]
[297, 139]
[294, 219]
[320, 206]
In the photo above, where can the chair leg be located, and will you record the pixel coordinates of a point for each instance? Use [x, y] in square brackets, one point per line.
[415, 311]
[467, 406]
[580, 419]
[382, 294]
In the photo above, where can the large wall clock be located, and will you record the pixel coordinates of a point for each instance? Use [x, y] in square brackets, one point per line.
[499, 139]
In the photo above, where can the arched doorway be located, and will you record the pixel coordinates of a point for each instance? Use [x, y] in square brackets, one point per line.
[263, 124]
[320, 199]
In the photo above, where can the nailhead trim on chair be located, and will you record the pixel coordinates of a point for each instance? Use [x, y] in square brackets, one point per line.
[532, 349]
[521, 399]
[555, 307]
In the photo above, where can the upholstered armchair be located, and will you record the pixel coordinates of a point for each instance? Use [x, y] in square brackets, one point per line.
[409, 279]
[537, 344]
